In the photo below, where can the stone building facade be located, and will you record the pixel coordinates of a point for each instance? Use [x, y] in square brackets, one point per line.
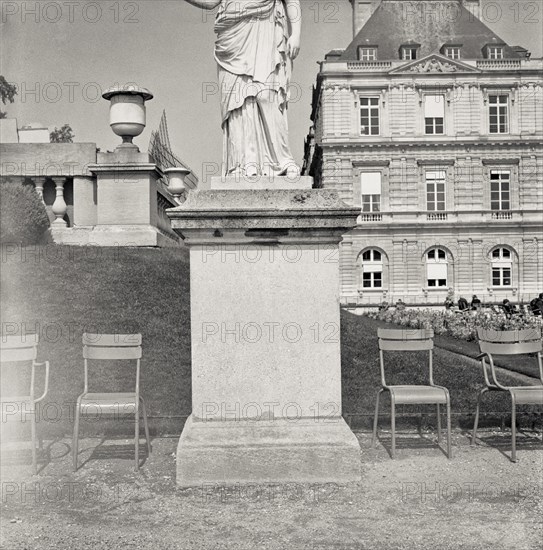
[433, 125]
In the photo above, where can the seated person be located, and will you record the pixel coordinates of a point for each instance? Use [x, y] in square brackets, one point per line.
[475, 302]
[508, 308]
[536, 305]
[462, 304]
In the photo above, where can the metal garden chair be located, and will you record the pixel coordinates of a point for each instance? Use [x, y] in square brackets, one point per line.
[411, 340]
[510, 342]
[20, 351]
[112, 347]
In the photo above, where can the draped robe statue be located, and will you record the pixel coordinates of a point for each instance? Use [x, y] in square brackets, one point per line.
[254, 53]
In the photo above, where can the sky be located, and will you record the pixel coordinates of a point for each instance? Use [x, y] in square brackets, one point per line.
[63, 53]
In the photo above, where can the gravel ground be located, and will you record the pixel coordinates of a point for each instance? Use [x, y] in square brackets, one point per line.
[420, 500]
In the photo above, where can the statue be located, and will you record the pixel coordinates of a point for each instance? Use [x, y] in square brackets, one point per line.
[254, 52]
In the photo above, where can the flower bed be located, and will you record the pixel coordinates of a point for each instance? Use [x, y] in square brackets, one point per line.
[458, 325]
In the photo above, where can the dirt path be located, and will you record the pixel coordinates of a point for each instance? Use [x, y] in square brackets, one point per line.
[420, 500]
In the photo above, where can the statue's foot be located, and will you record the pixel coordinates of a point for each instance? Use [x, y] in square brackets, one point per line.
[251, 172]
[291, 171]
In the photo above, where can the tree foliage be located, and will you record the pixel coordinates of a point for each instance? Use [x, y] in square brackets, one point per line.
[7, 93]
[23, 219]
[63, 135]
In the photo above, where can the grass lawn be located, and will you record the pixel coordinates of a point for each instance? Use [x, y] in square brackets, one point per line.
[65, 291]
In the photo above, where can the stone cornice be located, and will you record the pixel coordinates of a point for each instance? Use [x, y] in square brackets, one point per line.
[410, 143]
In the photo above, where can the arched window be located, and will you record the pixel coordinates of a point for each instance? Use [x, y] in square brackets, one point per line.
[372, 269]
[436, 267]
[502, 267]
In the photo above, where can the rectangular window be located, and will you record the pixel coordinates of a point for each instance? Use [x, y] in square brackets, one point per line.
[500, 190]
[498, 113]
[372, 279]
[453, 52]
[371, 191]
[369, 116]
[501, 276]
[435, 191]
[409, 53]
[495, 52]
[437, 274]
[434, 114]
[367, 54]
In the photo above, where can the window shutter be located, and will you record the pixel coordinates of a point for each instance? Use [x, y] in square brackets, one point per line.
[434, 106]
[437, 271]
[371, 183]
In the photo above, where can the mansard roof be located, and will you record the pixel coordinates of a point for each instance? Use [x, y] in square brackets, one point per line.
[430, 23]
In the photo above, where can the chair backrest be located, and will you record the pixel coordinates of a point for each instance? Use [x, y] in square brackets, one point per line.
[22, 348]
[405, 340]
[510, 342]
[112, 347]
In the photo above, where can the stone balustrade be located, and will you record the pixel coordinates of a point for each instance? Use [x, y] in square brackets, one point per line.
[107, 199]
[452, 217]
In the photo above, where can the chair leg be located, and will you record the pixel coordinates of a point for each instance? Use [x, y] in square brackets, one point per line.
[75, 442]
[146, 426]
[137, 438]
[33, 429]
[513, 431]
[375, 418]
[449, 446]
[438, 425]
[476, 423]
[393, 425]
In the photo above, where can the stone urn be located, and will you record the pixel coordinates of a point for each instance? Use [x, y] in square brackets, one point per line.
[177, 184]
[127, 111]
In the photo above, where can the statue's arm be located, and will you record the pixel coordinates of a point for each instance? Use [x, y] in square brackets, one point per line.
[205, 4]
[294, 14]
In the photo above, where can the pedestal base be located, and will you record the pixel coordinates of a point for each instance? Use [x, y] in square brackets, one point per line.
[309, 450]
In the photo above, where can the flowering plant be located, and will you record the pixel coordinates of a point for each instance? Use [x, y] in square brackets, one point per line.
[459, 325]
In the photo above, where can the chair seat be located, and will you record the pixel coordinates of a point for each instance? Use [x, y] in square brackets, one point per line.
[117, 402]
[419, 394]
[527, 395]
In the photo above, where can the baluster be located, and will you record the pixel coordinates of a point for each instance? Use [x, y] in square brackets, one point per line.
[39, 182]
[59, 206]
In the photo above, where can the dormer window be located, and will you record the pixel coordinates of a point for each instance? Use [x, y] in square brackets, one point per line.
[409, 53]
[452, 52]
[494, 52]
[367, 54]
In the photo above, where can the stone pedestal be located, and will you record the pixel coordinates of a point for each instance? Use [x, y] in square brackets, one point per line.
[128, 196]
[265, 329]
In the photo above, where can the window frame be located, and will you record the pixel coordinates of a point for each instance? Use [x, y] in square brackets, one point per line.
[501, 267]
[500, 201]
[370, 116]
[498, 105]
[435, 192]
[433, 122]
[370, 55]
[451, 49]
[437, 259]
[494, 52]
[407, 48]
[373, 276]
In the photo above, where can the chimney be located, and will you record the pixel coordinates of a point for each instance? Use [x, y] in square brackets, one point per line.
[474, 7]
[362, 10]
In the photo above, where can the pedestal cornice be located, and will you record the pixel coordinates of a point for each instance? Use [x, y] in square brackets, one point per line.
[262, 216]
